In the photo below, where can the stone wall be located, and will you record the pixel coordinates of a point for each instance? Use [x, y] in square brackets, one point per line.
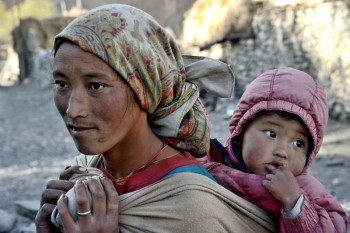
[30, 37]
[313, 38]
[33, 37]
[210, 20]
[169, 13]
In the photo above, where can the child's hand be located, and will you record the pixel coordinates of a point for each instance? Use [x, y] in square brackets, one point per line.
[282, 184]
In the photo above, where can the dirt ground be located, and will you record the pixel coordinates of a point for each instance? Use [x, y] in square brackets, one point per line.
[35, 146]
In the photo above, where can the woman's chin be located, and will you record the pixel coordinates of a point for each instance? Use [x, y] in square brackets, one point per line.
[87, 150]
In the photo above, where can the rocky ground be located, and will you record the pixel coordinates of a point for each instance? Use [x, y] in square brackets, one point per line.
[35, 146]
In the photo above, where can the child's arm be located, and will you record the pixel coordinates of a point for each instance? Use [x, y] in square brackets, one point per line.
[315, 218]
[319, 212]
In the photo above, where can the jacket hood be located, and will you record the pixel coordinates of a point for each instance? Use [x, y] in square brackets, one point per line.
[284, 89]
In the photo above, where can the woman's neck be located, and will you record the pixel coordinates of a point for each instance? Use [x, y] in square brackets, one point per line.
[132, 153]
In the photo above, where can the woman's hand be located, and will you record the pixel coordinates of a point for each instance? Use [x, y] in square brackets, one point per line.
[282, 184]
[104, 210]
[54, 189]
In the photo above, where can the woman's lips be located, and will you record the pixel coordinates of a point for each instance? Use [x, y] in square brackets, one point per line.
[79, 131]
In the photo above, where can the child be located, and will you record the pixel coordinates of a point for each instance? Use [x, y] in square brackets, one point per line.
[276, 131]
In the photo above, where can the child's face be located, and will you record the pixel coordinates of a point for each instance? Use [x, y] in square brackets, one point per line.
[271, 140]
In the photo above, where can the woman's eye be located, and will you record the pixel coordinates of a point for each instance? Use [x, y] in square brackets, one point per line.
[270, 133]
[60, 84]
[96, 86]
[298, 143]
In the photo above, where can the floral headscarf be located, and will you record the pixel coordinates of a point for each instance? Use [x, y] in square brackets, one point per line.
[148, 59]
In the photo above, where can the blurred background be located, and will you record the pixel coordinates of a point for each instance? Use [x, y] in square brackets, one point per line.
[250, 35]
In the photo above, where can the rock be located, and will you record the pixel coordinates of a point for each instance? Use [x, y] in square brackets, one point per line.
[335, 163]
[23, 225]
[28, 229]
[27, 208]
[7, 221]
[294, 36]
[336, 181]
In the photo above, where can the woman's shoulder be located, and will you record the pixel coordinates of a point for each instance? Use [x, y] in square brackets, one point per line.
[194, 168]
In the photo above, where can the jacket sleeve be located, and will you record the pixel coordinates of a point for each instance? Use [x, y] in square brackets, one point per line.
[320, 211]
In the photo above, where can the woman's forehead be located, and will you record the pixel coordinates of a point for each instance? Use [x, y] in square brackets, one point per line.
[70, 58]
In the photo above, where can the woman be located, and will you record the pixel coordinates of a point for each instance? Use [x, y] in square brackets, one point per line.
[121, 88]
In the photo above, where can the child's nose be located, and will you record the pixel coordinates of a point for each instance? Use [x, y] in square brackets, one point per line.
[281, 149]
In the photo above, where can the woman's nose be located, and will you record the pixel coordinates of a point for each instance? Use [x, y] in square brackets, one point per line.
[77, 105]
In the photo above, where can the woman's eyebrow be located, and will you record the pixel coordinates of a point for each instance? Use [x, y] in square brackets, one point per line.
[98, 75]
[56, 73]
[94, 75]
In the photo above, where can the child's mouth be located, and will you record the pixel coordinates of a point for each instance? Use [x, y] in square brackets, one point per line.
[270, 167]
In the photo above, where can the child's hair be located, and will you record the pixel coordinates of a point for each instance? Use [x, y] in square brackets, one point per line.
[284, 114]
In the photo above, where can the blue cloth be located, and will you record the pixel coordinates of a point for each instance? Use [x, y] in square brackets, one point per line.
[191, 168]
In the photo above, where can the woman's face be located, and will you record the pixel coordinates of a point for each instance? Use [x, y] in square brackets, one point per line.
[97, 106]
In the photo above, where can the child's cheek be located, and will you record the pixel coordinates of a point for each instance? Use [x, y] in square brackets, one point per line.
[254, 157]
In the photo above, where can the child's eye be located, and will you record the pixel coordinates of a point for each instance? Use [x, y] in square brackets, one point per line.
[270, 133]
[59, 84]
[96, 86]
[299, 143]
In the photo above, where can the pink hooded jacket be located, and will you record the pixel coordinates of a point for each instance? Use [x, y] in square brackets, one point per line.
[293, 91]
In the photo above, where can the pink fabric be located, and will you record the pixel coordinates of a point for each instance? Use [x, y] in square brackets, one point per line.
[320, 211]
[278, 90]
